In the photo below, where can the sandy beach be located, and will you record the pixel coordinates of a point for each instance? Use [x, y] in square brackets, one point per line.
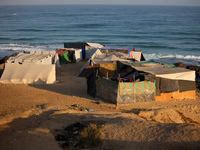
[31, 114]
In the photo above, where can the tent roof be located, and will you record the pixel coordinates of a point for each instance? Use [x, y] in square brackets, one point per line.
[163, 71]
[95, 45]
[107, 58]
[117, 48]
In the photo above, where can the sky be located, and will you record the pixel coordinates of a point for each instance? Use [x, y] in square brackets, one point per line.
[104, 2]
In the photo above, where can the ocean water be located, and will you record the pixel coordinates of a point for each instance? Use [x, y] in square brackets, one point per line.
[167, 34]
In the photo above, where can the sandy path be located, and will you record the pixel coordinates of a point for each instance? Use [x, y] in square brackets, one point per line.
[29, 116]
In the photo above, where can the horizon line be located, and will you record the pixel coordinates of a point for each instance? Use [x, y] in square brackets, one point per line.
[97, 5]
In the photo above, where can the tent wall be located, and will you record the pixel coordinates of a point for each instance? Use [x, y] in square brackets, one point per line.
[88, 49]
[78, 55]
[64, 57]
[125, 92]
[69, 55]
[176, 95]
[131, 92]
[78, 46]
[167, 89]
[107, 90]
[91, 48]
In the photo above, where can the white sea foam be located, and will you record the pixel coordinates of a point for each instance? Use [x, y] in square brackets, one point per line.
[8, 49]
[24, 47]
[171, 59]
[170, 56]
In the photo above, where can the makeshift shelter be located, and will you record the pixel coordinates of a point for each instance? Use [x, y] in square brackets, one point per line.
[133, 54]
[69, 55]
[125, 92]
[171, 83]
[96, 59]
[88, 49]
[118, 92]
[36, 67]
[130, 82]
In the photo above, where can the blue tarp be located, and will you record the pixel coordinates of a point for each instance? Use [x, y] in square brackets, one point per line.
[117, 48]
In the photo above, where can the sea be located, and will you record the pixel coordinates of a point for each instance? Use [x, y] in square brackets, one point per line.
[165, 34]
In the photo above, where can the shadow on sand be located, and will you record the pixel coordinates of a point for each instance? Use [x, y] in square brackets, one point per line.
[37, 132]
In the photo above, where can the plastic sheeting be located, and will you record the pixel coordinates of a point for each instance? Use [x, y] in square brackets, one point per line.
[162, 71]
[69, 54]
[36, 57]
[88, 49]
[125, 92]
[28, 74]
[107, 89]
[131, 92]
[105, 58]
[136, 55]
[91, 48]
[38, 67]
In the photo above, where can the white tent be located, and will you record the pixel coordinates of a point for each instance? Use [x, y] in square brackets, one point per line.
[91, 48]
[38, 67]
[28, 74]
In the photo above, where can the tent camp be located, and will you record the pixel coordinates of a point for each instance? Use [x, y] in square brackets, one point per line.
[88, 49]
[36, 67]
[69, 55]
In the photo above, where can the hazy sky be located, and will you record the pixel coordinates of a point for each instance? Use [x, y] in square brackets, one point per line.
[116, 2]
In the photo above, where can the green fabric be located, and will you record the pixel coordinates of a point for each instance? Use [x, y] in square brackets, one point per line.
[142, 62]
[170, 65]
[64, 58]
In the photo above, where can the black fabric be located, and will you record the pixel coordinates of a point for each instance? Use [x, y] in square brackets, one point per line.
[88, 70]
[91, 84]
[74, 45]
[186, 85]
[168, 85]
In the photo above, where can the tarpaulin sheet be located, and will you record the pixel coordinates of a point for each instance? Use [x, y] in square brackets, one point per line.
[36, 57]
[91, 48]
[125, 92]
[107, 90]
[91, 84]
[165, 72]
[136, 55]
[64, 57]
[106, 58]
[117, 48]
[130, 92]
[98, 52]
[28, 74]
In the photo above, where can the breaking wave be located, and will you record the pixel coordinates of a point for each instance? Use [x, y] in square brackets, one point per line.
[8, 49]
[176, 58]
